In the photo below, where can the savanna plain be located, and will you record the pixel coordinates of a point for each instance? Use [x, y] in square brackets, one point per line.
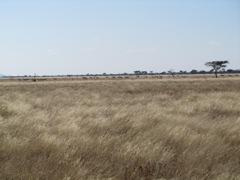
[120, 129]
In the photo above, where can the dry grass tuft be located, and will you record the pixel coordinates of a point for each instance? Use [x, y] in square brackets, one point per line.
[125, 129]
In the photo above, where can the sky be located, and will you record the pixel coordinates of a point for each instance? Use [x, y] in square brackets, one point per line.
[60, 37]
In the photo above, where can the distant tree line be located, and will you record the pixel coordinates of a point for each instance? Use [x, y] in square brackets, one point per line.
[138, 72]
[217, 67]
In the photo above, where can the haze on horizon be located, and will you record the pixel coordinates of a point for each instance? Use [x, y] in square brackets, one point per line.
[89, 36]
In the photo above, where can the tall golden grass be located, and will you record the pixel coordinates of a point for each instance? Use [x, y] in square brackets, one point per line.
[124, 129]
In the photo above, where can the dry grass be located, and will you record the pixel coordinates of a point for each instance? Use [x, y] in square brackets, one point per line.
[142, 129]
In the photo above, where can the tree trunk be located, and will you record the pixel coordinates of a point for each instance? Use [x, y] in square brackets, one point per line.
[216, 74]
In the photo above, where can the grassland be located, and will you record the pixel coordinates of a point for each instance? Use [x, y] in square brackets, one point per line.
[120, 129]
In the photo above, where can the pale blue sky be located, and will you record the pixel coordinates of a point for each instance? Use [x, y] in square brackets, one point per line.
[51, 37]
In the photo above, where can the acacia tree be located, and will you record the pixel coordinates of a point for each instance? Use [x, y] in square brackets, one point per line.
[217, 65]
[171, 71]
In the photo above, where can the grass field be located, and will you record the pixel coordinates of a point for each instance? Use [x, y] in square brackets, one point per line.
[120, 129]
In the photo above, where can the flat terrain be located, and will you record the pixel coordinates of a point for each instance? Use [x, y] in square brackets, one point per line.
[120, 129]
